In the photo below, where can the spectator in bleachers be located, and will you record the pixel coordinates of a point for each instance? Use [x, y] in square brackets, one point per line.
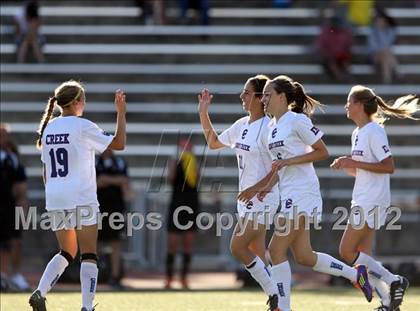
[113, 190]
[200, 6]
[184, 176]
[359, 13]
[28, 23]
[382, 36]
[152, 11]
[334, 47]
[13, 193]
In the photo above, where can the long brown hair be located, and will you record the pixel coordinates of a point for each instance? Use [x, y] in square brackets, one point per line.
[64, 95]
[373, 105]
[296, 97]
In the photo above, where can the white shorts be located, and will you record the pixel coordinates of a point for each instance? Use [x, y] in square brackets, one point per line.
[263, 212]
[308, 205]
[373, 215]
[73, 218]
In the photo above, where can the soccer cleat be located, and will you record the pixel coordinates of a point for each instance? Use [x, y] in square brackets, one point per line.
[272, 303]
[37, 302]
[362, 282]
[397, 291]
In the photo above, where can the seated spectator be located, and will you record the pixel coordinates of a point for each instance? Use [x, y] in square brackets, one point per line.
[381, 38]
[152, 11]
[334, 46]
[27, 23]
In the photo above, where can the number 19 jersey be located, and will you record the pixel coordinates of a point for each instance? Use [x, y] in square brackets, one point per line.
[68, 153]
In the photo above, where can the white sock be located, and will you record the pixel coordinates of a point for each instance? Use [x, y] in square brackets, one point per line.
[381, 288]
[282, 277]
[52, 273]
[88, 280]
[260, 273]
[328, 264]
[376, 268]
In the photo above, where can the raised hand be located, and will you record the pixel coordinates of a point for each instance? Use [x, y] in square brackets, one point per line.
[204, 101]
[119, 101]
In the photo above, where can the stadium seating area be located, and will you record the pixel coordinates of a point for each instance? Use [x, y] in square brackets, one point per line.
[162, 69]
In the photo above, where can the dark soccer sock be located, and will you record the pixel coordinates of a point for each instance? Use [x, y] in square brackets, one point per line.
[170, 265]
[186, 262]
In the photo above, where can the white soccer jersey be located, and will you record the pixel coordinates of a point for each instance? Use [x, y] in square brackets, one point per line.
[370, 144]
[293, 136]
[250, 144]
[68, 153]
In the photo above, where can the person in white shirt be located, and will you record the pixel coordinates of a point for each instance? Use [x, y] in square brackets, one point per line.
[248, 136]
[371, 164]
[294, 144]
[68, 144]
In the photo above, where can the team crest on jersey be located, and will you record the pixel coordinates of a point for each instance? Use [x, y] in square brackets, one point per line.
[289, 203]
[249, 205]
[357, 153]
[315, 130]
[385, 148]
[274, 133]
[244, 133]
[242, 146]
[276, 144]
[56, 139]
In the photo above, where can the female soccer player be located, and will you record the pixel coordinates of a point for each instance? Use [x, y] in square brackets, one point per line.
[371, 164]
[294, 144]
[248, 136]
[68, 144]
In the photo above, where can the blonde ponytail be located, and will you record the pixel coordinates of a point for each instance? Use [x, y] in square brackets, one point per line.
[403, 108]
[45, 119]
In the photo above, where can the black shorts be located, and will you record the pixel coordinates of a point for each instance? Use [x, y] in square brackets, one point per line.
[7, 228]
[107, 233]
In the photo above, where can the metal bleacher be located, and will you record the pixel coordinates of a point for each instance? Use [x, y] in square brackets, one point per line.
[162, 68]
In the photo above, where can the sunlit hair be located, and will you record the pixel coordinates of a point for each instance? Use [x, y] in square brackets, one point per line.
[65, 95]
[296, 97]
[374, 106]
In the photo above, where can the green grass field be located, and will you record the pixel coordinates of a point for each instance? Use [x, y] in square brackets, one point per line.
[314, 300]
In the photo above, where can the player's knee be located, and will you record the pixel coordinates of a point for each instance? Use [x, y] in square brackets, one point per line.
[68, 256]
[89, 257]
[304, 259]
[346, 253]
